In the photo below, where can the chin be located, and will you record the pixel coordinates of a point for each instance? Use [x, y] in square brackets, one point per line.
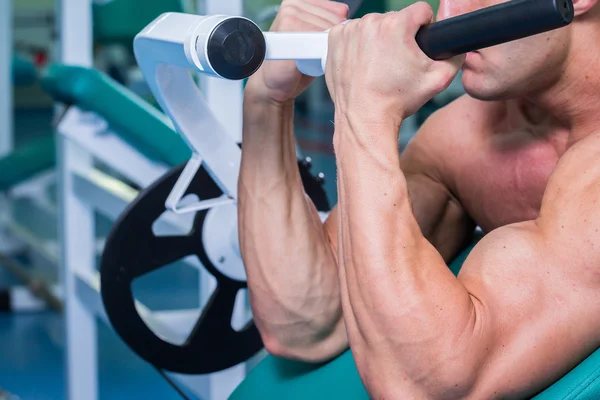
[484, 88]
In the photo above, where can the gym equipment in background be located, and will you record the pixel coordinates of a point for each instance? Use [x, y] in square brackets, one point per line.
[23, 71]
[234, 48]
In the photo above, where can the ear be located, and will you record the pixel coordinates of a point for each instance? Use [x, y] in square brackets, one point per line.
[580, 7]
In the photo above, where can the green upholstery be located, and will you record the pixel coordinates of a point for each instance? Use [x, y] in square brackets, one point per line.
[23, 71]
[27, 161]
[371, 6]
[132, 118]
[118, 21]
[275, 378]
[581, 383]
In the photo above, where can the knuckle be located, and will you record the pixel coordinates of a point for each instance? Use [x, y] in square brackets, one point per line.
[370, 22]
[289, 9]
[287, 3]
[370, 18]
[392, 20]
[292, 22]
[288, 16]
[336, 31]
[341, 9]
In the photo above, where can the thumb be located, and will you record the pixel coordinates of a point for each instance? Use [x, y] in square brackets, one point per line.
[446, 71]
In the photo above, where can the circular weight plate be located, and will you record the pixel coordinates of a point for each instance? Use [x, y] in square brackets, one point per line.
[133, 250]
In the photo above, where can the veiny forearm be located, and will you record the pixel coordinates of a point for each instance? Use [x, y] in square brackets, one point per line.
[290, 265]
[408, 318]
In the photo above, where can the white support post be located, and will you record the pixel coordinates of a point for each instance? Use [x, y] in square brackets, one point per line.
[225, 96]
[225, 99]
[76, 218]
[78, 251]
[6, 92]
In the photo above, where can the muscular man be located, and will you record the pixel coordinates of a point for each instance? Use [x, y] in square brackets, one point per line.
[518, 156]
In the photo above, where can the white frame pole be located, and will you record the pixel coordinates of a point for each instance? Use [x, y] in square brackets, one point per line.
[225, 100]
[225, 97]
[76, 234]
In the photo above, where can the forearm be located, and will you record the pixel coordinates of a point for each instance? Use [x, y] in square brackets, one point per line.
[408, 318]
[290, 265]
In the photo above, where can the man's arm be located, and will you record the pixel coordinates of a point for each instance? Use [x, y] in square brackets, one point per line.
[427, 167]
[291, 257]
[522, 312]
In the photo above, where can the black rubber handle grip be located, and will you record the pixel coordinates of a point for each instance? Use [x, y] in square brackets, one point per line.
[493, 25]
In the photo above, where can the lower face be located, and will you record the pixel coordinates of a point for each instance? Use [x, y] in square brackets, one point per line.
[516, 68]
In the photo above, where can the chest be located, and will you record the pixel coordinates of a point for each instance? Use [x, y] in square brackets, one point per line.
[504, 180]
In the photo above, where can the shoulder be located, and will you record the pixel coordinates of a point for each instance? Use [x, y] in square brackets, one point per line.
[573, 190]
[449, 134]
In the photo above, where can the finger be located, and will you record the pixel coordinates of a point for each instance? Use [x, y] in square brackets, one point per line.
[338, 8]
[317, 20]
[305, 23]
[292, 19]
[446, 71]
[319, 10]
[419, 14]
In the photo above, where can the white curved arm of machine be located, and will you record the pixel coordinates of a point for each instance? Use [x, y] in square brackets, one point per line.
[220, 46]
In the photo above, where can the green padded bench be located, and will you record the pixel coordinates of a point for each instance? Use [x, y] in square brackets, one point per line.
[27, 161]
[132, 118]
[23, 71]
[118, 21]
[276, 378]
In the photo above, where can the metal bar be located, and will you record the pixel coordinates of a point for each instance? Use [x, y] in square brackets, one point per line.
[21, 300]
[36, 286]
[100, 142]
[76, 232]
[78, 251]
[76, 218]
[46, 249]
[110, 197]
[225, 99]
[74, 19]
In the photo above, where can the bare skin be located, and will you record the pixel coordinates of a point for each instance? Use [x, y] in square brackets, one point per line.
[517, 156]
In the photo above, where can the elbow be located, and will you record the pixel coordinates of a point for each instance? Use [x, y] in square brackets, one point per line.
[455, 378]
[309, 351]
[276, 347]
[451, 384]
[457, 383]
[443, 375]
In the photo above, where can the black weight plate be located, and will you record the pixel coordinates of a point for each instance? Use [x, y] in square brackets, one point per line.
[132, 250]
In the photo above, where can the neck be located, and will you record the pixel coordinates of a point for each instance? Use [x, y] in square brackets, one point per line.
[573, 99]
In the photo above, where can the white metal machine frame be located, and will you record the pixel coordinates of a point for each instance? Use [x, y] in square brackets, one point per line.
[84, 191]
[175, 43]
